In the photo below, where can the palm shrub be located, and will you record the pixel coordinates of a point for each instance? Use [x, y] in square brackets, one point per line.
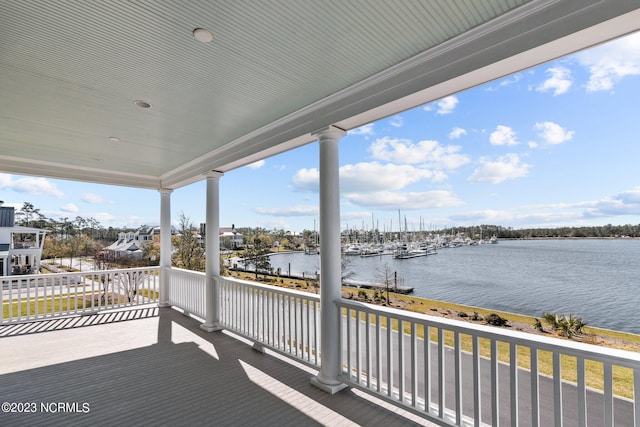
[553, 320]
[568, 325]
[538, 325]
[496, 320]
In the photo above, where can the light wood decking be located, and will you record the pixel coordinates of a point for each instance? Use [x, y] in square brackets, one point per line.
[151, 366]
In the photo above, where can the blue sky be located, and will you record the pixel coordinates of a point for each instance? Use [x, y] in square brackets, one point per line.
[556, 145]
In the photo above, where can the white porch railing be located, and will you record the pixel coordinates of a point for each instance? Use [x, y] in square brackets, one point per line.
[187, 290]
[38, 296]
[462, 374]
[468, 374]
[284, 320]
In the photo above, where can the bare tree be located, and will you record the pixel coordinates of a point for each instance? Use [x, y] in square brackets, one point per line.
[128, 283]
[387, 278]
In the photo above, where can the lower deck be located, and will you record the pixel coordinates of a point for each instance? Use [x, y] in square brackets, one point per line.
[154, 366]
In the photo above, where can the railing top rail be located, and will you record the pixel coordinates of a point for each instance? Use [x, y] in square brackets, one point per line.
[589, 351]
[78, 273]
[272, 288]
[152, 268]
[185, 271]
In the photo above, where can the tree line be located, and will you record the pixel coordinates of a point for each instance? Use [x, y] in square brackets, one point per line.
[74, 237]
[597, 231]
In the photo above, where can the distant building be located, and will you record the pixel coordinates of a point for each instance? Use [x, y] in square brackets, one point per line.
[230, 238]
[131, 243]
[20, 247]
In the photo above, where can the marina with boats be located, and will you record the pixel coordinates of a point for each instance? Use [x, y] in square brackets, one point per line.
[517, 276]
[413, 249]
[408, 247]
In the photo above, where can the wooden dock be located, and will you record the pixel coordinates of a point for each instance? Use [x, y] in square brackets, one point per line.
[398, 289]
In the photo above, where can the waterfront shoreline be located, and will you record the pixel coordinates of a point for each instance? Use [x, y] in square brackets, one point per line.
[592, 278]
[520, 322]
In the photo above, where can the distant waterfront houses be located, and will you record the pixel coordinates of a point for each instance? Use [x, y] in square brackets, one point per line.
[132, 243]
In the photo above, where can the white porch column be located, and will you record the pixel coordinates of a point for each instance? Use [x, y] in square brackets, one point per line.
[165, 245]
[212, 249]
[330, 262]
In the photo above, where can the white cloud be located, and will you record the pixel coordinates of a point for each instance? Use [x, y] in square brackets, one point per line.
[257, 165]
[306, 180]
[5, 180]
[289, 211]
[559, 82]
[363, 130]
[388, 200]
[70, 208]
[447, 105]
[429, 153]
[30, 185]
[457, 132]
[105, 217]
[553, 133]
[559, 214]
[373, 176]
[136, 221]
[610, 62]
[503, 135]
[396, 121]
[516, 217]
[354, 216]
[504, 168]
[368, 177]
[92, 198]
[511, 80]
[624, 203]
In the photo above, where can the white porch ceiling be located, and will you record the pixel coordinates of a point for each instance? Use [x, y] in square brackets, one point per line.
[275, 72]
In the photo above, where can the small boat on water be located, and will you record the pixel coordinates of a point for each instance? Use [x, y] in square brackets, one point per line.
[421, 250]
[353, 250]
[494, 239]
[369, 251]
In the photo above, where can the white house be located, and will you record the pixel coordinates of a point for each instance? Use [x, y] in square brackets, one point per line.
[131, 243]
[20, 247]
[230, 238]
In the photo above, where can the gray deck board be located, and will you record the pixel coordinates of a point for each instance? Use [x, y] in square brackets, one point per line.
[155, 367]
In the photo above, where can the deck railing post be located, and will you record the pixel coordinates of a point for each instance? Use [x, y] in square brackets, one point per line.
[165, 246]
[330, 268]
[212, 249]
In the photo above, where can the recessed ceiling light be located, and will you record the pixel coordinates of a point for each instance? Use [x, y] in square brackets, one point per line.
[202, 35]
[141, 104]
[114, 139]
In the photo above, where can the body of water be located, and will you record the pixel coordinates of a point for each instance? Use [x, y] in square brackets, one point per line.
[595, 279]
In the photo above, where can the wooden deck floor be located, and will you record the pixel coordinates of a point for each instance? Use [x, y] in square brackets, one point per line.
[155, 367]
